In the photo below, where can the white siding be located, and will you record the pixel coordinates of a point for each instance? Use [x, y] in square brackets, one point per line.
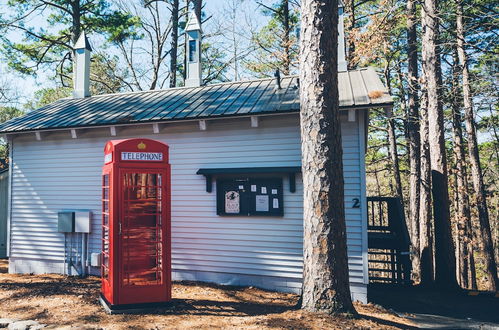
[62, 173]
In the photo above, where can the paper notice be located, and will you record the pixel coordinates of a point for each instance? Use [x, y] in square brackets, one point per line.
[274, 191]
[241, 187]
[275, 203]
[232, 202]
[264, 190]
[262, 203]
[253, 188]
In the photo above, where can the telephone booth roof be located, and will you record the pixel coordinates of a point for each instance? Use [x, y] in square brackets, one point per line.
[135, 151]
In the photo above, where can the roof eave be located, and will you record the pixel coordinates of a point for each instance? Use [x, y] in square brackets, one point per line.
[247, 115]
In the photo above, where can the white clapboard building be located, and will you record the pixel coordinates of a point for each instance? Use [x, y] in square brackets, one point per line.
[243, 129]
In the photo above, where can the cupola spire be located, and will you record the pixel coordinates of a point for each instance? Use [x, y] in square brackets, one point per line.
[81, 67]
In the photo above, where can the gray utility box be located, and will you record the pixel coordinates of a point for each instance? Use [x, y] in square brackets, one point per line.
[82, 221]
[95, 259]
[66, 222]
[74, 222]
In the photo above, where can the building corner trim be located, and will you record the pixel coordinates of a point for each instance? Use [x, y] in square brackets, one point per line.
[10, 143]
[363, 194]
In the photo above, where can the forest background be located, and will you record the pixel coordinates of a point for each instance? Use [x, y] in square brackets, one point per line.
[139, 45]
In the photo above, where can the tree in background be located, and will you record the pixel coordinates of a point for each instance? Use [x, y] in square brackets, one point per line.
[7, 113]
[484, 86]
[52, 47]
[174, 43]
[413, 138]
[474, 156]
[146, 53]
[426, 229]
[378, 42]
[326, 285]
[277, 42]
[234, 30]
[462, 212]
[445, 263]
[9, 100]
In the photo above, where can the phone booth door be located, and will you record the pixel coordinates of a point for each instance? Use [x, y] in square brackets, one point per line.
[142, 254]
[136, 234]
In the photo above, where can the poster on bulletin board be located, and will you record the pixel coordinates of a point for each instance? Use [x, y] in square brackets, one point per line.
[232, 202]
[262, 203]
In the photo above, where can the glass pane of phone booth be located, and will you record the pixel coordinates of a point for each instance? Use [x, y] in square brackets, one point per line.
[140, 227]
[105, 227]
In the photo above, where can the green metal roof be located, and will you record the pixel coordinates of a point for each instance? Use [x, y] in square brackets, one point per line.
[232, 99]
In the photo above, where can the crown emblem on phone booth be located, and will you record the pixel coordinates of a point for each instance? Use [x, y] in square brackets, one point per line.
[141, 146]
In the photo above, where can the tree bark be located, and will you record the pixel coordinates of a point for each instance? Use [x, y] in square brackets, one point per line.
[476, 170]
[445, 260]
[392, 144]
[425, 216]
[414, 143]
[174, 44]
[286, 42]
[392, 140]
[198, 6]
[325, 263]
[76, 22]
[462, 211]
[350, 9]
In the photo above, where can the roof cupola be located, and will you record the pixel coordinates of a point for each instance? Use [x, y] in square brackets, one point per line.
[193, 51]
[81, 67]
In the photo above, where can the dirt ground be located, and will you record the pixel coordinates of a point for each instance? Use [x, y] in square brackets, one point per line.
[67, 301]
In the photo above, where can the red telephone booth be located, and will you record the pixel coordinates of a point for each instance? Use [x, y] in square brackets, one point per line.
[136, 248]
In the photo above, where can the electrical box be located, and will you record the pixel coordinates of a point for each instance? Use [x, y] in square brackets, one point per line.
[82, 221]
[95, 259]
[66, 222]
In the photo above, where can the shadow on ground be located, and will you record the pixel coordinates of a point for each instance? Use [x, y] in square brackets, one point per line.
[420, 300]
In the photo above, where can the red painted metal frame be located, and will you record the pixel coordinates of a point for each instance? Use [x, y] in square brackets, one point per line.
[113, 289]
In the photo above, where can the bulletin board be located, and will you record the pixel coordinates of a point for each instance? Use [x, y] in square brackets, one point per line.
[250, 197]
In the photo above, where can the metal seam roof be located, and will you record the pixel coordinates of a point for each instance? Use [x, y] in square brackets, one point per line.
[357, 88]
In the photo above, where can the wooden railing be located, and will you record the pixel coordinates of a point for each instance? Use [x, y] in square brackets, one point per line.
[388, 241]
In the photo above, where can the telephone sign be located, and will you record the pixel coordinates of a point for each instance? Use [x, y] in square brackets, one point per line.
[142, 156]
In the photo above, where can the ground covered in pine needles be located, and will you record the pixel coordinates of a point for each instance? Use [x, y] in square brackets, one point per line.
[61, 301]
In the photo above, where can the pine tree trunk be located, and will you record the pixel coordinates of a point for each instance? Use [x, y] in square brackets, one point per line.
[392, 144]
[476, 171]
[350, 10]
[286, 43]
[413, 138]
[75, 34]
[325, 263]
[462, 211]
[445, 260]
[472, 273]
[392, 141]
[174, 44]
[425, 216]
[198, 6]
[76, 21]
